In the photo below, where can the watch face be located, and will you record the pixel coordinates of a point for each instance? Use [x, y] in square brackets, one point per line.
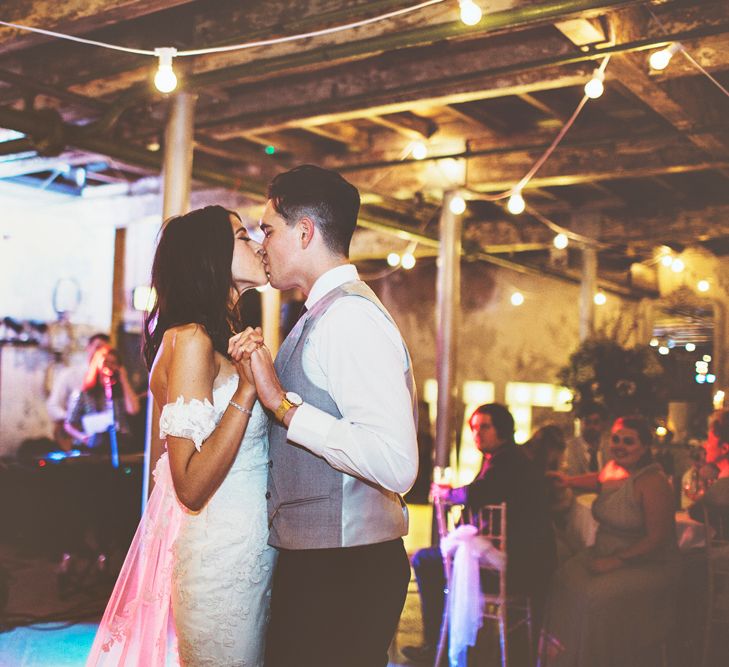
[294, 398]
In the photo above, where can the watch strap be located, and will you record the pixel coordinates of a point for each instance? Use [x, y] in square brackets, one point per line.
[283, 408]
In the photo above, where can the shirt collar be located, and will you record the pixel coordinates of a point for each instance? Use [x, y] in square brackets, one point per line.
[328, 281]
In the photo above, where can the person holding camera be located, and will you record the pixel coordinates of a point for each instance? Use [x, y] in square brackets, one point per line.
[90, 415]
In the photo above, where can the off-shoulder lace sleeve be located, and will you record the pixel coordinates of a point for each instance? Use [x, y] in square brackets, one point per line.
[194, 420]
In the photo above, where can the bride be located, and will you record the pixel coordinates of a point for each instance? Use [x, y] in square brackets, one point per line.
[195, 586]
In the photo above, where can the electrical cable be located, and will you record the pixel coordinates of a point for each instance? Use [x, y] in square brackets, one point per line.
[231, 47]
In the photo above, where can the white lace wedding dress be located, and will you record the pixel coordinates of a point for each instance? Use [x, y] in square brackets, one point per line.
[195, 587]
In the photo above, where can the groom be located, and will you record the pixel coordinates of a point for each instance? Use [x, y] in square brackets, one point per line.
[342, 440]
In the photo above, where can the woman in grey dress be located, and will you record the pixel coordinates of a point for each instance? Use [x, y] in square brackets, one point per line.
[612, 605]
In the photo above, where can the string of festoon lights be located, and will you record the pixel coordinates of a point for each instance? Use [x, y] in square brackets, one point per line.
[166, 80]
[470, 14]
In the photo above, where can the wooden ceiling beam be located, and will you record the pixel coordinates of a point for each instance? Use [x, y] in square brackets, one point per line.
[409, 125]
[351, 137]
[75, 17]
[299, 150]
[678, 102]
[542, 106]
[450, 73]
[226, 23]
[569, 165]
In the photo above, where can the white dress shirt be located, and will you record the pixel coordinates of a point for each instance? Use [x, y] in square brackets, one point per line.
[577, 455]
[357, 355]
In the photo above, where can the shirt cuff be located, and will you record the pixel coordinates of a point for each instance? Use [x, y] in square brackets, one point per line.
[309, 427]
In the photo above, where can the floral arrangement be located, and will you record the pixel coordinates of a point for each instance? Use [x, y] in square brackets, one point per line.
[624, 380]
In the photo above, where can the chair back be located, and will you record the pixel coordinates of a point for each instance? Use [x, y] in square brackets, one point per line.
[448, 516]
[491, 523]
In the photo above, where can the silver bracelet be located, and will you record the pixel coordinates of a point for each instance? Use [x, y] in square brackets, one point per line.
[241, 408]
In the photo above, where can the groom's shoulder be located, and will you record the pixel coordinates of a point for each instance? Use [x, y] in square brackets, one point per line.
[358, 314]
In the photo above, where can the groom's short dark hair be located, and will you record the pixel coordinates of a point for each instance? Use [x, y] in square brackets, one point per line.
[322, 195]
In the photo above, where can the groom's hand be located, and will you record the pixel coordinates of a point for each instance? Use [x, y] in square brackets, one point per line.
[270, 391]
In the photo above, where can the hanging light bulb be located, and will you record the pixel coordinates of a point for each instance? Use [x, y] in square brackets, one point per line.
[516, 203]
[165, 79]
[690, 347]
[667, 260]
[659, 59]
[393, 259]
[408, 261]
[457, 205]
[677, 265]
[517, 298]
[703, 286]
[418, 150]
[600, 299]
[595, 87]
[470, 12]
[561, 241]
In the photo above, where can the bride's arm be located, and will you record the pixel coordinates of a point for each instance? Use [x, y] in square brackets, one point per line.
[196, 474]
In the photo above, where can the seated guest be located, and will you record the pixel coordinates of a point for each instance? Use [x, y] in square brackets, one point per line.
[105, 370]
[67, 383]
[589, 451]
[546, 449]
[507, 475]
[716, 497]
[613, 603]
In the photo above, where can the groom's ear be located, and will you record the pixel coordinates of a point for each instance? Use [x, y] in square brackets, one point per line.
[306, 230]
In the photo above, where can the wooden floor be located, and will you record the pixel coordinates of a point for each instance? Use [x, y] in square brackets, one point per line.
[55, 645]
[33, 593]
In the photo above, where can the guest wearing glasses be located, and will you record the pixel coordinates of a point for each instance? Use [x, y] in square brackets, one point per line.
[613, 603]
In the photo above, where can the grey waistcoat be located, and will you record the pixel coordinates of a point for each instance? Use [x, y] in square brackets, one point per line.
[310, 504]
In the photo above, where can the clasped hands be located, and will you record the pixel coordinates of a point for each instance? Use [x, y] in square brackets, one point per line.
[254, 363]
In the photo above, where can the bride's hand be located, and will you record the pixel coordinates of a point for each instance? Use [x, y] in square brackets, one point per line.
[240, 348]
[237, 342]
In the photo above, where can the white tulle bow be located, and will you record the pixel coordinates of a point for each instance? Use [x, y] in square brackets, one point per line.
[470, 552]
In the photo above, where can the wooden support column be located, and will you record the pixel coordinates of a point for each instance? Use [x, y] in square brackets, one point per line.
[177, 179]
[589, 225]
[118, 295]
[448, 305]
[177, 167]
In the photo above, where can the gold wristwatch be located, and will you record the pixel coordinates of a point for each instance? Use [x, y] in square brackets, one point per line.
[289, 400]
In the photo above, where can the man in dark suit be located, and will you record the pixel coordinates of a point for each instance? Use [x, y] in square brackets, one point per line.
[507, 475]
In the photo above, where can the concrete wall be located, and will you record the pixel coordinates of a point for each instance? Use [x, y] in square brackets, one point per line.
[499, 342]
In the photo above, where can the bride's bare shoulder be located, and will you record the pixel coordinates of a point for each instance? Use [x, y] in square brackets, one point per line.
[188, 344]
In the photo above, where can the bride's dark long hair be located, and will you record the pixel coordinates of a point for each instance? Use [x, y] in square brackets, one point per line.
[191, 275]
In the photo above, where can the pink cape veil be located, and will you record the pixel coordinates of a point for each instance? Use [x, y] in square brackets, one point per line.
[138, 627]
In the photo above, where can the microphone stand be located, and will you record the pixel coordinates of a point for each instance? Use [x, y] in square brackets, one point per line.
[108, 392]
